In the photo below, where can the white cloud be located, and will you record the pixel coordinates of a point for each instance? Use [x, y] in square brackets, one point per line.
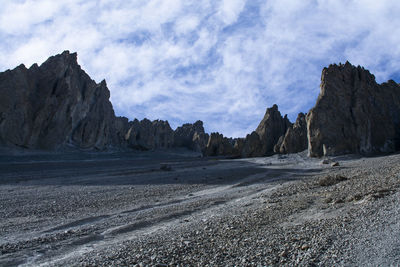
[186, 24]
[18, 17]
[222, 61]
[229, 10]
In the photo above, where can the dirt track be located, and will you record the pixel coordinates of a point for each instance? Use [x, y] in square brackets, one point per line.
[171, 209]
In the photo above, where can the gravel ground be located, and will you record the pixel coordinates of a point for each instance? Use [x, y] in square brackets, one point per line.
[169, 210]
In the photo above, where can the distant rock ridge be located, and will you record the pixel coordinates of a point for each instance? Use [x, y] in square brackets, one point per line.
[191, 136]
[57, 106]
[274, 134]
[218, 145]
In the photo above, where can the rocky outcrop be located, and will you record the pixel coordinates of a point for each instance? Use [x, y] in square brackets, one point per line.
[354, 114]
[238, 145]
[261, 142]
[149, 135]
[55, 105]
[295, 139]
[252, 146]
[199, 141]
[218, 145]
[271, 128]
[191, 136]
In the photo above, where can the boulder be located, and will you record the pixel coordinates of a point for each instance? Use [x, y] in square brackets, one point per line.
[354, 114]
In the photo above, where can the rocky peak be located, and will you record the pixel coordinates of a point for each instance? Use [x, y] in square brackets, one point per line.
[341, 75]
[353, 113]
[55, 105]
[271, 128]
[59, 64]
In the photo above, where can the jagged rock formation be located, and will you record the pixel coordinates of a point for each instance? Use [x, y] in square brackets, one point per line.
[252, 146]
[199, 142]
[261, 142]
[238, 145]
[191, 136]
[149, 135]
[354, 114]
[55, 105]
[271, 128]
[295, 139]
[218, 145]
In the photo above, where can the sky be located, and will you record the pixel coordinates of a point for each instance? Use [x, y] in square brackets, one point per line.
[223, 62]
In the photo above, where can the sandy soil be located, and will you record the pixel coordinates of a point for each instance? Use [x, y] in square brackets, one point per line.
[174, 208]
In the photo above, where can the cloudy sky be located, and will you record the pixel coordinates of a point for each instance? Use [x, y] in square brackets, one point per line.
[223, 62]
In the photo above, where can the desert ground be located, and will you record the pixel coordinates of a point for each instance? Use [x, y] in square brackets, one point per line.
[175, 208]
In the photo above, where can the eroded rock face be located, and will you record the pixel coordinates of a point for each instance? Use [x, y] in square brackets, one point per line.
[218, 145]
[354, 114]
[271, 128]
[191, 136]
[149, 135]
[55, 105]
[262, 141]
[295, 139]
[252, 146]
[239, 145]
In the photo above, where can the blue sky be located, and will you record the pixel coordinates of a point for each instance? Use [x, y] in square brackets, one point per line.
[223, 62]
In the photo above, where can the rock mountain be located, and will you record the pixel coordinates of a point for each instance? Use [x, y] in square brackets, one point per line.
[57, 106]
[54, 105]
[354, 114]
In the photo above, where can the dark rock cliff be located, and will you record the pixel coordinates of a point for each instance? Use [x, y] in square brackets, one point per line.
[218, 145]
[57, 105]
[295, 139]
[354, 114]
[191, 136]
[54, 105]
[261, 142]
